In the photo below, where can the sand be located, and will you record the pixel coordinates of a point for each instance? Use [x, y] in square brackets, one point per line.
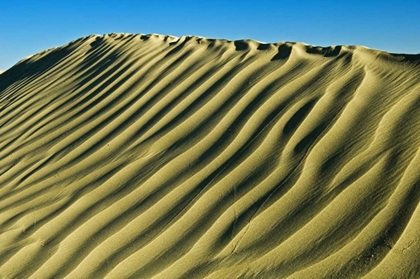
[140, 156]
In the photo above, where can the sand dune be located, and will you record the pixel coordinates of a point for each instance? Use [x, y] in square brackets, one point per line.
[140, 156]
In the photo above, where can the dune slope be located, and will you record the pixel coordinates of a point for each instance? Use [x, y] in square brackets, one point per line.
[140, 156]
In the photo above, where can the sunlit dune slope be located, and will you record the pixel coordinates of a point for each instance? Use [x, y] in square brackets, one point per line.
[140, 156]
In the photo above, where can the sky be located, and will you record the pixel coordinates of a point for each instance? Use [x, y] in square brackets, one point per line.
[28, 27]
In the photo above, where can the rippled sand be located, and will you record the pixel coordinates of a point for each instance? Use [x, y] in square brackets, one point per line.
[140, 156]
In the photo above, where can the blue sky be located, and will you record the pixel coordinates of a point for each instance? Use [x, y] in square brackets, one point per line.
[27, 27]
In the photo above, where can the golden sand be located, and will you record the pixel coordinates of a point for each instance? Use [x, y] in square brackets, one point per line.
[149, 156]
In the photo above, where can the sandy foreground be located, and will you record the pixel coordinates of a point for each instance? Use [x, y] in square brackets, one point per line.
[140, 156]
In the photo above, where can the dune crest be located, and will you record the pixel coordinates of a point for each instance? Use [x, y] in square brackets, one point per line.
[140, 156]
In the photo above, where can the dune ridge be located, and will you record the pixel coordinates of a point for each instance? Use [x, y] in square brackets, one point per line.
[151, 156]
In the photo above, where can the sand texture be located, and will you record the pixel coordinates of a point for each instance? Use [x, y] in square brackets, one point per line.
[149, 156]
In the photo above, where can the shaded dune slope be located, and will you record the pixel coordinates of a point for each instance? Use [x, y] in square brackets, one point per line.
[139, 156]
